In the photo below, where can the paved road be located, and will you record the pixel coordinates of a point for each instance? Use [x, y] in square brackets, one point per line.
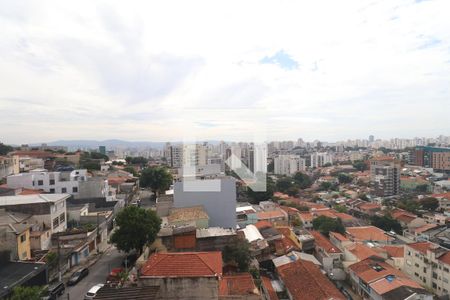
[112, 258]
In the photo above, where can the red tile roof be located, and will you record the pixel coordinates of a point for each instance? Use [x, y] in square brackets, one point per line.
[368, 233]
[183, 264]
[445, 258]
[324, 243]
[338, 236]
[267, 215]
[395, 251]
[370, 270]
[362, 251]
[425, 228]
[31, 192]
[383, 285]
[238, 284]
[304, 280]
[263, 224]
[422, 247]
[268, 285]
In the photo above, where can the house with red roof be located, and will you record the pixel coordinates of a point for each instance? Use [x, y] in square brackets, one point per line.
[373, 278]
[304, 280]
[238, 286]
[328, 254]
[368, 234]
[182, 275]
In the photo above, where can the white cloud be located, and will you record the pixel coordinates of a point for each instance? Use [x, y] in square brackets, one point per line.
[145, 71]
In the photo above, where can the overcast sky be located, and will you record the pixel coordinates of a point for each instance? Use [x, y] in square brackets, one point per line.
[173, 70]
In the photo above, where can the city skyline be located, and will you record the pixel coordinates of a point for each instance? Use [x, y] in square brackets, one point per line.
[134, 72]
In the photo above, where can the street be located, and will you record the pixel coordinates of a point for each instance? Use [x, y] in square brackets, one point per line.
[112, 258]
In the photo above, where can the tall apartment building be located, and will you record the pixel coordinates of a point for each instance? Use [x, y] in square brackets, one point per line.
[288, 164]
[190, 155]
[385, 176]
[318, 159]
[429, 265]
[437, 158]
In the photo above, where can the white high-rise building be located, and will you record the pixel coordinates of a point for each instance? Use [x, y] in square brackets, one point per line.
[318, 159]
[288, 164]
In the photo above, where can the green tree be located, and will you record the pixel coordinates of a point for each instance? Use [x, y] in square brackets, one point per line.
[239, 253]
[135, 227]
[360, 165]
[429, 203]
[284, 184]
[325, 186]
[340, 208]
[5, 149]
[302, 180]
[158, 179]
[325, 225]
[256, 197]
[422, 188]
[387, 223]
[26, 293]
[344, 178]
[131, 170]
[98, 155]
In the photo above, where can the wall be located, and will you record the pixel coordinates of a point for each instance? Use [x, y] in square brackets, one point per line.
[23, 248]
[220, 206]
[185, 288]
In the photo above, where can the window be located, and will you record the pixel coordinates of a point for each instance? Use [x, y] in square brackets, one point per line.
[40, 182]
[445, 279]
[52, 191]
[62, 218]
[63, 190]
[74, 189]
[417, 265]
[23, 238]
[52, 181]
[409, 253]
[55, 222]
[445, 269]
[434, 285]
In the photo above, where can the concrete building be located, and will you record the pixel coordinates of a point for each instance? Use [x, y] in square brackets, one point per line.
[288, 164]
[76, 183]
[9, 165]
[318, 159]
[431, 157]
[186, 154]
[27, 163]
[385, 176]
[14, 236]
[429, 265]
[218, 197]
[48, 210]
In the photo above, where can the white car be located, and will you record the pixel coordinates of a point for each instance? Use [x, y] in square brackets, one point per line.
[93, 291]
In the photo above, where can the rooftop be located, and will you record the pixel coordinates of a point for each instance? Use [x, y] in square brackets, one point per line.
[32, 199]
[16, 273]
[368, 233]
[214, 231]
[371, 269]
[324, 243]
[183, 264]
[304, 280]
[237, 284]
[187, 214]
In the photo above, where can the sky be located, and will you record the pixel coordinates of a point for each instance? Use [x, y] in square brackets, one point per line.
[223, 70]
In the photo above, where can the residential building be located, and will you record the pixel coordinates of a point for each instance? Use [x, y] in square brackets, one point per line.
[14, 237]
[318, 159]
[238, 286]
[368, 234]
[373, 278]
[9, 165]
[428, 264]
[288, 164]
[385, 176]
[195, 215]
[432, 157]
[76, 183]
[182, 275]
[48, 210]
[328, 254]
[304, 280]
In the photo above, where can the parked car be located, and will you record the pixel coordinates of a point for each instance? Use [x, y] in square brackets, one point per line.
[93, 291]
[53, 291]
[77, 276]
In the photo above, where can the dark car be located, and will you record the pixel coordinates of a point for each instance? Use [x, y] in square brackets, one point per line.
[54, 291]
[77, 276]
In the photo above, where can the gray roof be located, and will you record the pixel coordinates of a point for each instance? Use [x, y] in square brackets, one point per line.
[30, 199]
